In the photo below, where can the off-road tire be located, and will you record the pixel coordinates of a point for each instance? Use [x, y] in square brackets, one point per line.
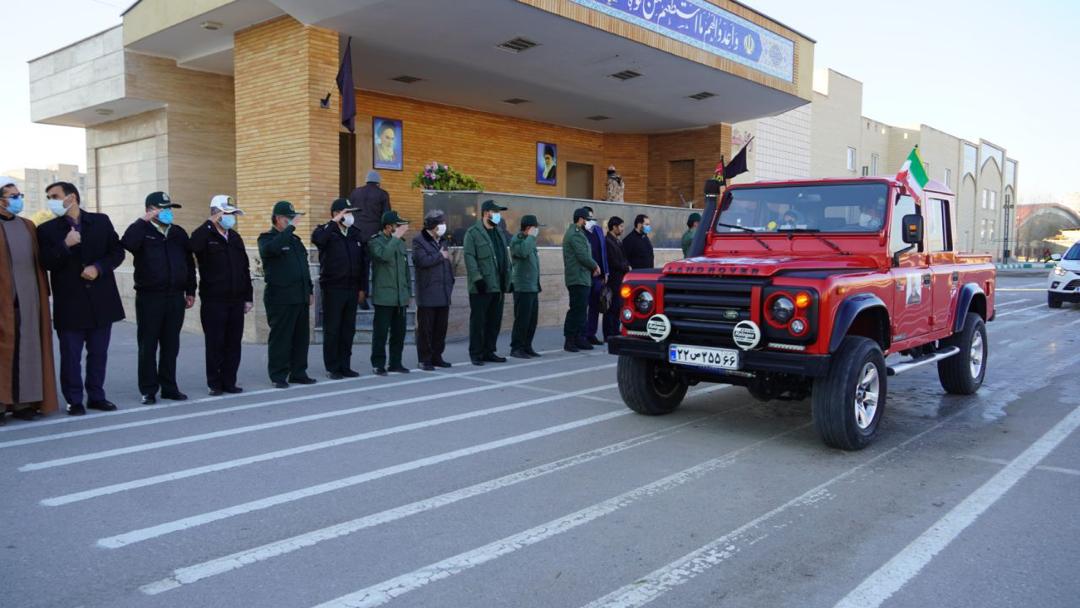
[649, 387]
[832, 400]
[955, 373]
[1053, 301]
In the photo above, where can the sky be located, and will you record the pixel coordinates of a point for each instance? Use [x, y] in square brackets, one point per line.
[1002, 71]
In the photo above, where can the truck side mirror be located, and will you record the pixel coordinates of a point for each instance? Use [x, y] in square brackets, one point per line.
[913, 229]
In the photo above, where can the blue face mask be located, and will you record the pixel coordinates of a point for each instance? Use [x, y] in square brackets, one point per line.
[496, 218]
[57, 206]
[165, 217]
[647, 229]
[228, 222]
[15, 204]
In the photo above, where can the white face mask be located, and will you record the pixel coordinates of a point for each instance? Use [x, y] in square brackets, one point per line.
[589, 225]
[348, 220]
[534, 231]
[440, 229]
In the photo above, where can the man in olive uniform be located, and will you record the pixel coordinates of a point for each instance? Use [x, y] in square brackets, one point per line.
[688, 236]
[526, 282]
[390, 292]
[343, 277]
[488, 272]
[579, 268]
[287, 298]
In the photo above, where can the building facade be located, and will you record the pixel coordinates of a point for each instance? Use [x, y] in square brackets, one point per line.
[33, 182]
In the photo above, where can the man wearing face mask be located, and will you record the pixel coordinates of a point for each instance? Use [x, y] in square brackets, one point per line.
[434, 285]
[225, 291]
[343, 278]
[27, 383]
[81, 250]
[390, 292]
[288, 297]
[579, 270]
[488, 273]
[636, 246]
[598, 246]
[617, 269]
[526, 281]
[164, 288]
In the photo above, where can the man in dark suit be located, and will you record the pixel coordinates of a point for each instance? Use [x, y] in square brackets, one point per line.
[80, 250]
[343, 275]
[370, 202]
[636, 246]
[617, 269]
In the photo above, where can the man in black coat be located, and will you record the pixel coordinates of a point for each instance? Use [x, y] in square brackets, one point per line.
[164, 288]
[80, 250]
[370, 202]
[636, 246]
[343, 278]
[617, 269]
[225, 292]
[434, 286]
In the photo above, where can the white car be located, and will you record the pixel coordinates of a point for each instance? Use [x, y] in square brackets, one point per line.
[1063, 284]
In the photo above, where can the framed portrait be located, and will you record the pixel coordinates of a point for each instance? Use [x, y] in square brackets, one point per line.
[547, 162]
[386, 143]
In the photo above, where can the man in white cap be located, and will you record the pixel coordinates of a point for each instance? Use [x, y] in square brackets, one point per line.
[224, 290]
[370, 202]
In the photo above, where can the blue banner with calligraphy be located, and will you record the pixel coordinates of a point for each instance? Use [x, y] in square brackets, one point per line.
[708, 27]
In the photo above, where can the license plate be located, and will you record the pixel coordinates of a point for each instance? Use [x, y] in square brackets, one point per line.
[700, 356]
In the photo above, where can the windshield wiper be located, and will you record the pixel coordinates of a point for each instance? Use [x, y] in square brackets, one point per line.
[815, 233]
[745, 229]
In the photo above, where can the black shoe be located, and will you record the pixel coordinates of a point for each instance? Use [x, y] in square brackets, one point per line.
[215, 392]
[304, 380]
[398, 369]
[73, 409]
[532, 353]
[427, 367]
[519, 353]
[281, 384]
[478, 362]
[595, 341]
[493, 358]
[365, 306]
[570, 346]
[3, 418]
[379, 371]
[348, 373]
[174, 396]
[233, 390]
[148, 400]
[335, 375]
[441, 363]
[102, 406]
[27, 413]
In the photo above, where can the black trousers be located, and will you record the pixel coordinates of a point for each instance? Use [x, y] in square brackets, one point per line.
[485, 321]
[592, 319]
[223, 332]
[388, 320]
[579, 306]
[287, 346]
[72, 342]
[612, 319]
[339, 327]
[526, 315]
[158, 319]
[431, 324]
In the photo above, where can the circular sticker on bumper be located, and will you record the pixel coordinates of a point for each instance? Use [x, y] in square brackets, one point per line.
[746, 335]
[658, 327]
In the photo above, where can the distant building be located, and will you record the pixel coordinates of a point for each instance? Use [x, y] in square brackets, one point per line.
[33, 182]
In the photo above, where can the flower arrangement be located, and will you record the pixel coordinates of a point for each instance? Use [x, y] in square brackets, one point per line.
[442, 177]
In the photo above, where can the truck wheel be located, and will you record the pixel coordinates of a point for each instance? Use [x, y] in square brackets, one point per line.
[847, 404]
[963, 373]
[1053, 301]
[649, 387]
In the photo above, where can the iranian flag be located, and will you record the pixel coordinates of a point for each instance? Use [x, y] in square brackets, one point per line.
[913, 175]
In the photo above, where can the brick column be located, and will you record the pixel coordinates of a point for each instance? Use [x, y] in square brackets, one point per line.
[286, 145]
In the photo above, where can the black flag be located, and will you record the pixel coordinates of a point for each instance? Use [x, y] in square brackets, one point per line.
[738, 163]
[345, 88]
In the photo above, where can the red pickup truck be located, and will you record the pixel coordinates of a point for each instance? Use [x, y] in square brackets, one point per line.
[804, 289]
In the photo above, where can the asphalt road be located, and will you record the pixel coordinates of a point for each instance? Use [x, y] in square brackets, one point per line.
[529, 484]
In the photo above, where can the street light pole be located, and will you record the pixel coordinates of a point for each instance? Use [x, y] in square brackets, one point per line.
[1008, 209]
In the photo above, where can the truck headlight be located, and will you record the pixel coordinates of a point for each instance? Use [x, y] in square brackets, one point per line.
[798, 326]
[782, 309]
[643, 302]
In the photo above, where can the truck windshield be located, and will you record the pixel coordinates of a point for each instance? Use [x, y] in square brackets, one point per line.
[815, 208]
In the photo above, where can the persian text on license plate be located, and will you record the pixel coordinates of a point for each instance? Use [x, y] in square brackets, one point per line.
[700, 356]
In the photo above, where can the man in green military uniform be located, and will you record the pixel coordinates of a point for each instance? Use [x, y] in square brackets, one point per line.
[390, 292]
[287, 298]
[688, 236]
[526, 286]
[488, 273]
[578, 268]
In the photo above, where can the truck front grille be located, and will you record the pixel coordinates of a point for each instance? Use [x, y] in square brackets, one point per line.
[704, 310]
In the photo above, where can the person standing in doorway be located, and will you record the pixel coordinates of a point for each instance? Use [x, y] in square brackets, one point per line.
[225, 292]
[688, 236]
[615, 186]
[636, 246]
[390, 293]
[370, 202]
[617, 269]
[434, 286]
[164, 289]
[27, 380]
[288, 298]
[343, 276]
[579, 270]
[526, 288]
[488, 273]
[81, 250]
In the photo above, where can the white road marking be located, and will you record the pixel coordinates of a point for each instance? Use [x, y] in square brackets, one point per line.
[1001, 304]
[381, 593]
[1021, 289]
[1041, 467]
[154, 480]
[133, 449]
[1016, 310]
[891, 577]
[228, 563]
[187, 523]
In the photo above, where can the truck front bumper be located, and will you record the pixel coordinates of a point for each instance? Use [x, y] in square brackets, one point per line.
[799, 364]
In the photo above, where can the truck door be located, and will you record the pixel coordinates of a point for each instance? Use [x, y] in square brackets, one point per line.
[939, 246]
[912, 279]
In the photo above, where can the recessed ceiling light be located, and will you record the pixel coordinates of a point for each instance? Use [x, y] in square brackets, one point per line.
[702, 95]
[598, 117]
[406, 79]
[213, 26]
[103, 112]
[515, 101]
[517, 45]
[625, 75]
